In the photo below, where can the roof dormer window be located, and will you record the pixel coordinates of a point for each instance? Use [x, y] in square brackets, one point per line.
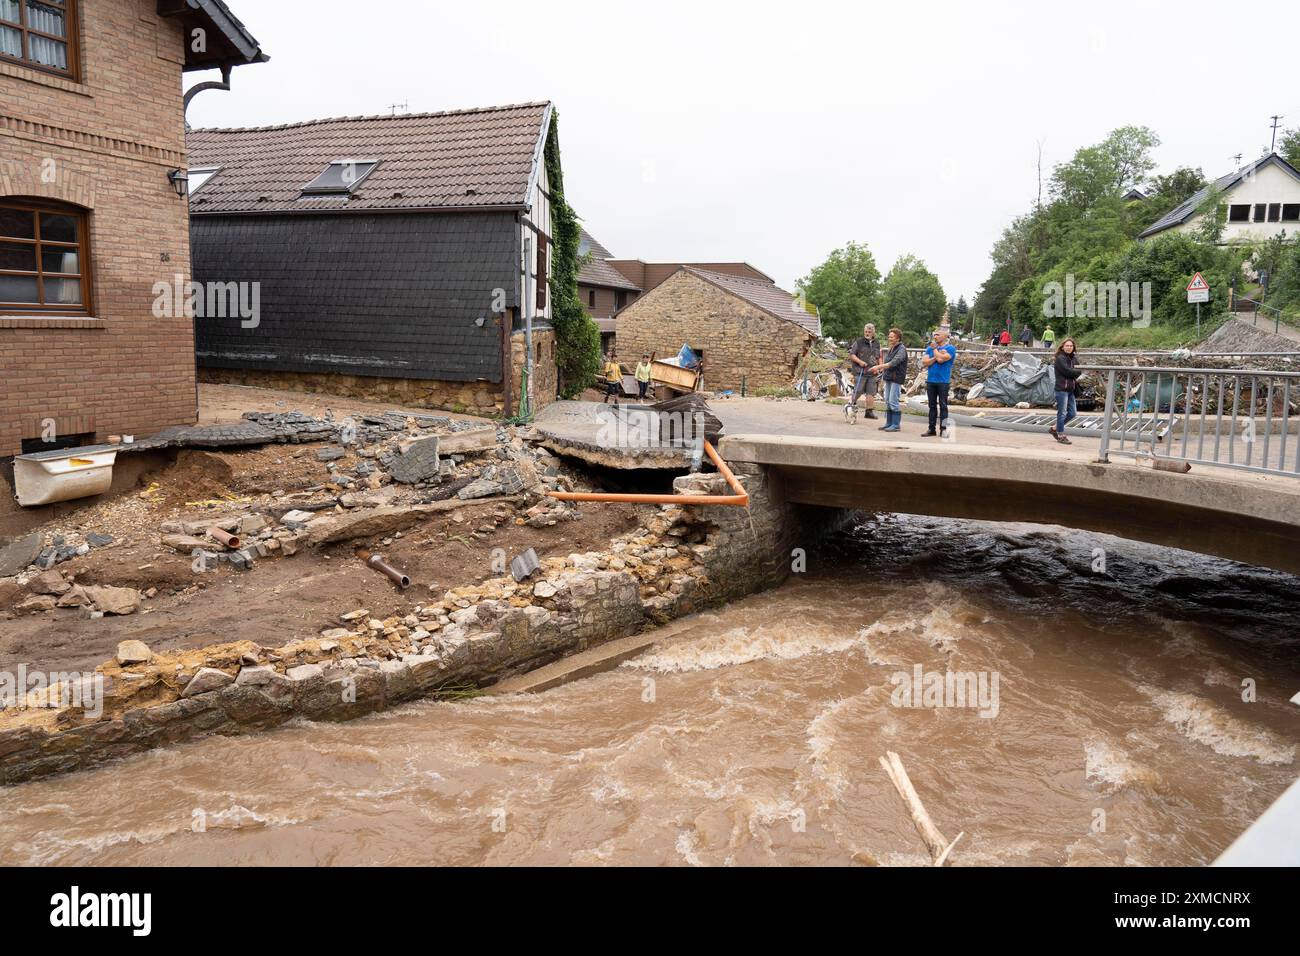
[340, 177]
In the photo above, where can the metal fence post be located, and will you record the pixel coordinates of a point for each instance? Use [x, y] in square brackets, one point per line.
[1103, 453]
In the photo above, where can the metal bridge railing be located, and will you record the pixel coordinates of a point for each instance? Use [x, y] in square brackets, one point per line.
[1234, 418]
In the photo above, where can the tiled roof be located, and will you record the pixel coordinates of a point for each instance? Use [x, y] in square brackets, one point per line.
[767, 296]
[589, 243]
[468, 158]
[595, 270]
[1181, 213]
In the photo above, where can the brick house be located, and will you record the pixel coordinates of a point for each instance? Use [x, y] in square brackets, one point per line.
[396, 257]
[92, 214]
[748, 330]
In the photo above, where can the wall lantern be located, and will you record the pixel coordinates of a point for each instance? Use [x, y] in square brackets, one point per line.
[180, 181]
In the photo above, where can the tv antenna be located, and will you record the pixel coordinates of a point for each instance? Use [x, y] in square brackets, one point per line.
[394, 107]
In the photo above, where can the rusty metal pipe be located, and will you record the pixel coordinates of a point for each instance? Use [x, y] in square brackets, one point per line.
[224, 538]
[394, 575]
[739, 499]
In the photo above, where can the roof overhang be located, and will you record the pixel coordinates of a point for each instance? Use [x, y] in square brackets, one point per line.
[228, 42]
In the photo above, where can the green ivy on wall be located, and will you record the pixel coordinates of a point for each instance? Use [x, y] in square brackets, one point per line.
[577, 338]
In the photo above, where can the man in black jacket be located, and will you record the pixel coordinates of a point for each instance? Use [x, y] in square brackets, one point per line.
[864, 355]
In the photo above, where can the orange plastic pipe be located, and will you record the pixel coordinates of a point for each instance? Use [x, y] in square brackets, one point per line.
[740, 498]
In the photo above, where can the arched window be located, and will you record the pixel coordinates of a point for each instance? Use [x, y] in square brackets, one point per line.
[40, 34]
[44, 259]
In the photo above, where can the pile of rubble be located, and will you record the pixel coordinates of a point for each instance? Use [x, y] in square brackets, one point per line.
[381, 473]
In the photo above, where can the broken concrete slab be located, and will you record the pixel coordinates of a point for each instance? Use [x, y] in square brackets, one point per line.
[468, 442]
[362, 523]
[17, 555]
[419, 462]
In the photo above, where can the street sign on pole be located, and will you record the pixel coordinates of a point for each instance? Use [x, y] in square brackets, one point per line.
[1198, 290]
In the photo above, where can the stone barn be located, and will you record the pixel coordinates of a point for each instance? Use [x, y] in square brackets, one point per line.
[749, 331]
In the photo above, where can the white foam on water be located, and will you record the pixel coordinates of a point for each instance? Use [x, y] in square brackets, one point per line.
[1113, 768]
[688, 846]
[1206, 723]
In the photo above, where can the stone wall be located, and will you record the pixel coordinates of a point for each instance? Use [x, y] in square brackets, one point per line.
[479, 398]
[682, 560]
[545, 374]
[739, 340]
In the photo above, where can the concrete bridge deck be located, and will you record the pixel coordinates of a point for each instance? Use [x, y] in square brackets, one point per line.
[994, 475]
[1245, 517]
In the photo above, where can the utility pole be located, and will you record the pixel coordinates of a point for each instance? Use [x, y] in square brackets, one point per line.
[1273, 145]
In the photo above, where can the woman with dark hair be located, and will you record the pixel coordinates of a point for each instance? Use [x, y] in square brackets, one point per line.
[893, 365]
[1067, 376]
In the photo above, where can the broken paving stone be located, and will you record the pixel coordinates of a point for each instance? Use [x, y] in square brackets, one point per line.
[113, 600]
[544, 589]
[207, 679]
[330, 454]
[418, 463]
[133, 652]
[17, 555]
[296, 518]
[479, 488]
[356, 615]
[96, 540]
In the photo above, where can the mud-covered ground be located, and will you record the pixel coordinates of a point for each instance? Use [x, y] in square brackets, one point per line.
[278, 599]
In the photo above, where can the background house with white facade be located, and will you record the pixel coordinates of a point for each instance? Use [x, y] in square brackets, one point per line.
[1262, 200]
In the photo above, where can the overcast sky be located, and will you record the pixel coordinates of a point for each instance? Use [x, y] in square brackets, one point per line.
[774, 132]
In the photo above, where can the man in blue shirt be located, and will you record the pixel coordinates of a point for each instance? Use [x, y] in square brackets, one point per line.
[939, 358]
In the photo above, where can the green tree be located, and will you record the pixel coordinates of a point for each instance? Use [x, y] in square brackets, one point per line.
[1118, 163]
[911, 297]
[1289, 148]
[1167, 192]
[846, 290]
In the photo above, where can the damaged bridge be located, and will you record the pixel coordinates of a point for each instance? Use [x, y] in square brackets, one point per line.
[1244, 517]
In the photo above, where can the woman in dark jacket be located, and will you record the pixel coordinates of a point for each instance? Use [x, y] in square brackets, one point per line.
[1067, 375]
[893, 365]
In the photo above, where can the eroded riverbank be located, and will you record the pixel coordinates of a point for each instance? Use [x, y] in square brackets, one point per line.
[751, 734]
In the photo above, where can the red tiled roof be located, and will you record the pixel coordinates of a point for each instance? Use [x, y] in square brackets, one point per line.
[467, 158]
[767, 296]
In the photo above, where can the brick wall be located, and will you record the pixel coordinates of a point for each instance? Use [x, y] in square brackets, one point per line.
[112, 138]
[737, 338]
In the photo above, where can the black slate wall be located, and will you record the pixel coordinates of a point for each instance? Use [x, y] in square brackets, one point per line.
[389, 295]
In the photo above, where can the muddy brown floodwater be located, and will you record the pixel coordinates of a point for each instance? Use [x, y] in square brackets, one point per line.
[751, 735]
